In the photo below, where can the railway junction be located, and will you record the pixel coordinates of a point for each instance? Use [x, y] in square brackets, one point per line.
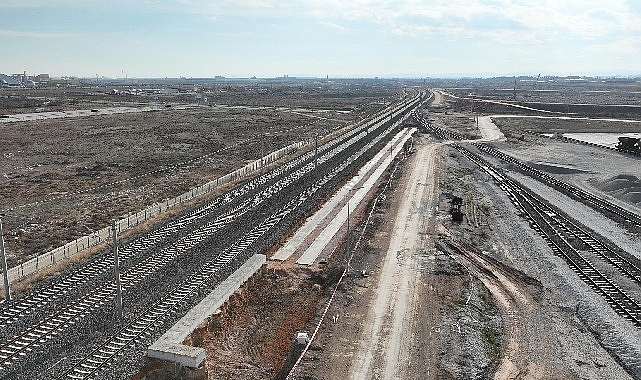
[366, 265]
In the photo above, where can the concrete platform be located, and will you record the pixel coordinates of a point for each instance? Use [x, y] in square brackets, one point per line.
[169, 346]
[313, 221]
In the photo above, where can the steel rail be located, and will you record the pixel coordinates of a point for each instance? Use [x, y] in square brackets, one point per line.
[599, 204]
[35, 301]
[102, 356]
[555, 227]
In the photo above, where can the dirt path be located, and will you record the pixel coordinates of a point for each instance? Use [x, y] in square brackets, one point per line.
[532, 349]
[520, 360]
[489, 130]
[438, 98]
[387, 337]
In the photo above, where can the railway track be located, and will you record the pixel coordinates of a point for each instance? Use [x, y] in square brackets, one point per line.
[129, 335]
[609, 209]
[613, 211]
[572, 242]
[441, 133]
[44, 319]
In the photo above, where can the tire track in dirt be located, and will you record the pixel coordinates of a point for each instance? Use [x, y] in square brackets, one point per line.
[528, 351]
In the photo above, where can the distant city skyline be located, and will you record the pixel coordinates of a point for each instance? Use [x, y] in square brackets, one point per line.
[306, 38]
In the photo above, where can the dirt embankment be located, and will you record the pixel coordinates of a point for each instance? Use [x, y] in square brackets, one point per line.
[252, 336]
[418, 313]
[416, 309]
[450, 307]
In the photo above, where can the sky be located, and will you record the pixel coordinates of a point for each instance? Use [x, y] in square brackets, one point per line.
[336, 38]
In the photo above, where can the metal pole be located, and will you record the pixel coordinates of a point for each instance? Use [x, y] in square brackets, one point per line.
[315, 153]
[7, 292]
[117, 272]
[262, 152]
[348, 240]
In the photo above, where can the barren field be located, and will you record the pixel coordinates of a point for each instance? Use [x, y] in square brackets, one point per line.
[63, 178]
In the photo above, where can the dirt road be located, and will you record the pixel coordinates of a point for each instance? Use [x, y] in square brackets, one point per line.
[438, 98]
[387, 336]
[489, 130]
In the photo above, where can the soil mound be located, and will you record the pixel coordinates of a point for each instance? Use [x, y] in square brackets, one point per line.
[626, 187]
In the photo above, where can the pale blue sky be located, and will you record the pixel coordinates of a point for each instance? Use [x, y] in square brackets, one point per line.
[241, 38]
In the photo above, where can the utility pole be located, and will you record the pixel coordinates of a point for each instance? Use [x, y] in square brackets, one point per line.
[315, 154]
[117, 272]
[262, 150]
[5, 274]
[348, 239]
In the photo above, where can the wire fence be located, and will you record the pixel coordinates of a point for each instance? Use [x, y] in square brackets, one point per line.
[57, 254]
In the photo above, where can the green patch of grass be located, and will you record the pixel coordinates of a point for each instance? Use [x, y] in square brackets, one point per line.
[492, 339]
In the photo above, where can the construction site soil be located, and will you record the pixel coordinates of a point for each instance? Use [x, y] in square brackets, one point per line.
[488, 297]
[485, 304]
[491, 300]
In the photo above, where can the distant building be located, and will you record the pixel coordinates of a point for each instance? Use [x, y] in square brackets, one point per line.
[42, 78]
[64, 81]
[9, 81]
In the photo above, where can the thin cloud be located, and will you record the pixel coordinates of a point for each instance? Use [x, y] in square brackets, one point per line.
[335, 26]
[413, 18]
[28, 34]
[622, 46]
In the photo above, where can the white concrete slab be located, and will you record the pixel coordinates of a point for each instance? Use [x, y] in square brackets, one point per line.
[312, 253]
[313, 221]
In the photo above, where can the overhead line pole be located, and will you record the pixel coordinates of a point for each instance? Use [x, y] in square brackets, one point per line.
[117, 272]
[3, 259]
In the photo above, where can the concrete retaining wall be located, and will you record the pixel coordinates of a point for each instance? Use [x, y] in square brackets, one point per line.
[169, 347]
